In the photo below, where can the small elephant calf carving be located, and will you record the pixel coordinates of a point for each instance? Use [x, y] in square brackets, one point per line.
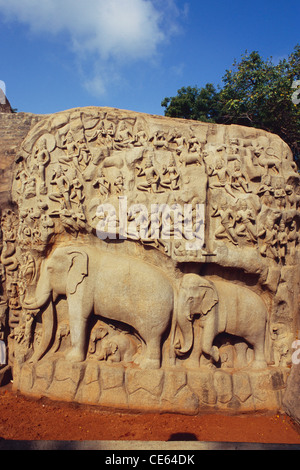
[115, 346]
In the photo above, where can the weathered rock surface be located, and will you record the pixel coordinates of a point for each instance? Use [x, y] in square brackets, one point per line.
[149, 263]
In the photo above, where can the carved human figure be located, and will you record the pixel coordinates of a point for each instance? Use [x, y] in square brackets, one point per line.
[103, 184]
[22, 176]
[282, 240]
[279, 195]
[246, 219]
[224, 177]
[281, 343]
[233, 150]
[72, 152]
[268, 233]
[172, 181]
[179, 140]
[119, 183]
[266, 190]
[62, 183]
[30, 188]
[239, 179]
[152, 176]
[140, 135]
[293, 238]
[42, 160]
[123, 137]
[228, 219]
[66, 217]
[77, 191]
[194, 145]
[84, 155]
[110, 135]
[138, 227]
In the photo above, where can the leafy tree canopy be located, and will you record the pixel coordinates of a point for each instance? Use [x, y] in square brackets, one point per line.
[255, 93]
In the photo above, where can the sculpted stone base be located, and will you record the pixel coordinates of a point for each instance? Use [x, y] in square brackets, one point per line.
[164, 390]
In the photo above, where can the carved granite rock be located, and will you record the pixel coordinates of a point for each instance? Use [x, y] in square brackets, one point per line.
[151, 263]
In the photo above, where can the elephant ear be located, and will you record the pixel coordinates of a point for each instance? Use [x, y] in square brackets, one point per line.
[78, 269]
[209, 300]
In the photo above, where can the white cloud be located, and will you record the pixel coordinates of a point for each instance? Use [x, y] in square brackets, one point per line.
[112, 28]
[112, 32]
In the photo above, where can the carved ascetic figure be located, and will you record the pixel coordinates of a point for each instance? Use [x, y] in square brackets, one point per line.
[223, 307]
[144, 301]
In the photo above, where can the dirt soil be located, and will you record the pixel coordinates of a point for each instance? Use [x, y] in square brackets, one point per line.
[24, 418]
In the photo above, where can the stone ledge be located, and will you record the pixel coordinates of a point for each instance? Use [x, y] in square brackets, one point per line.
[164, 390]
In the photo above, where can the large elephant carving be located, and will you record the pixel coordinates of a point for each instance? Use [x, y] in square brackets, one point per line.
[223, 307]
[113, 286]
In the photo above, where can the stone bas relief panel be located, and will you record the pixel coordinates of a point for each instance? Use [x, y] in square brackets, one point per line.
[203, 314]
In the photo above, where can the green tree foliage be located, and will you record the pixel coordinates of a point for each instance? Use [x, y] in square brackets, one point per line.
[193, 103]
[255, 93]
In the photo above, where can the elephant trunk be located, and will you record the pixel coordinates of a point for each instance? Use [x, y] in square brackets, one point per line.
[35, 304]
[42, 295]
[184, 321]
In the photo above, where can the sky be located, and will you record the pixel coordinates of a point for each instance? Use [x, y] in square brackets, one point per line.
[131, 54]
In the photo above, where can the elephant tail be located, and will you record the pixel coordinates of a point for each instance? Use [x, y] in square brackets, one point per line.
[48, 329]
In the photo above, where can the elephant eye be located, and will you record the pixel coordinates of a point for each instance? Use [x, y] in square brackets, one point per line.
[191, 299]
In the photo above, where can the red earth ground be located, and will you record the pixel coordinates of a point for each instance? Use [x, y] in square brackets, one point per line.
[23, 418]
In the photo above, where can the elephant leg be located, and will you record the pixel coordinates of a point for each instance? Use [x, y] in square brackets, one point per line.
[207, 344]
[259, 361]
[79, 312]
[151, 355]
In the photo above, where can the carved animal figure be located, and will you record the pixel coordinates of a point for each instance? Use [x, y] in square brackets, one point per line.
[223, 307]
[115, 346]
[112, 286]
